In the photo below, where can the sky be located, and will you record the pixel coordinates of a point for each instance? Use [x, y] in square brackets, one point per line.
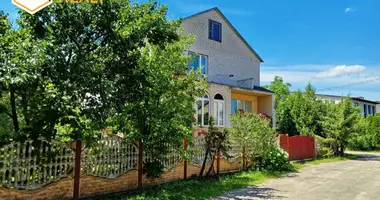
[333, 44]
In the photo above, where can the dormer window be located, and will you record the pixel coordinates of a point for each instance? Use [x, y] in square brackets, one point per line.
[215, 31]
[198, 61]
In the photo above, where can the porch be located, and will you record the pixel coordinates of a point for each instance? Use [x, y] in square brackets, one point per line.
[222, 101]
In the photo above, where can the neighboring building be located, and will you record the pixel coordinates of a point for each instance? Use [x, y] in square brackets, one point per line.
[378, 107]
[231, 66]
[367, 107]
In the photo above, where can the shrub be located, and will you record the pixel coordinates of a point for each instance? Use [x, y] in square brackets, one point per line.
[253, 133]
[273, 160]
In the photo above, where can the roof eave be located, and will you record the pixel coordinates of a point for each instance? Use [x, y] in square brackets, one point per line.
[232, 27]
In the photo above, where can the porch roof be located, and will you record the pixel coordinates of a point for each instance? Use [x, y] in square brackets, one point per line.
[246, 84]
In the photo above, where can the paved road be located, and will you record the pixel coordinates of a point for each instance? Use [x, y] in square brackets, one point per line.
[346, 180]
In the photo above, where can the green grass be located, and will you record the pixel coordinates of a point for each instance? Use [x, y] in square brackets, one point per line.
[205, 188]
[316, 161]
[199, 188]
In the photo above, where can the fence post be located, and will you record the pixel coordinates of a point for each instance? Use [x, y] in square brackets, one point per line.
[218, 163]
[185, 144]
[78, 150]
[140, 164]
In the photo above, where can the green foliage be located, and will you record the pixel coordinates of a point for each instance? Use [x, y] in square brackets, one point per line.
[67, 74]
[283, 106]
[253, 133]
[306, 111]
[368, 136]
[341, 123]
[274, 160]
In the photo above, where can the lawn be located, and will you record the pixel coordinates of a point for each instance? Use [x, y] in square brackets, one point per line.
[205, 188]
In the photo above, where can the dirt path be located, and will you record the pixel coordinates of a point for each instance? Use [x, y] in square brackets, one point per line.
[347, 180]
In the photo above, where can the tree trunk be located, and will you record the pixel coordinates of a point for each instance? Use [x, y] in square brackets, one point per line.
[211, 166]
[13, 109]
[204, 163]
[25, 108]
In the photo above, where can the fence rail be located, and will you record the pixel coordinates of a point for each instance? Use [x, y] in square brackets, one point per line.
[111, 165]
[33, 164]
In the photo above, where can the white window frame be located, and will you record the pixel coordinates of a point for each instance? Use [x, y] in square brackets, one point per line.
[216, 112]
[202, 99]
[200, 61]
[243, 102]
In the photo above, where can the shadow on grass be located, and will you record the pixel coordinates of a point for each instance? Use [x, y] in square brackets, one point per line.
[201, 188]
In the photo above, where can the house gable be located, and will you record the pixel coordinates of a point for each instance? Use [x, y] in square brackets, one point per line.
[231, 56]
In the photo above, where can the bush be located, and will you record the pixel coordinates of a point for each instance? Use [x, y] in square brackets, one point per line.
[274, 160]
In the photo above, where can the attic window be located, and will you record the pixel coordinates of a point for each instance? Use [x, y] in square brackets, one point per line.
[215, 31]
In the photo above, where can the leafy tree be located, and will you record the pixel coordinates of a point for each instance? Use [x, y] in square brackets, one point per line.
[20, 59]
[341, 123]
[368, 135]
[94, 63]
[253, 133]
[284, 121]
[306, 111]
[280, 88]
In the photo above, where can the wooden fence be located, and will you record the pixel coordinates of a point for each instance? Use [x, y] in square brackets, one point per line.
[53, 170]
[298, 147]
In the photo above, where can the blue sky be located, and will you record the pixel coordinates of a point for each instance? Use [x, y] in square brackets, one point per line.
[334, 44]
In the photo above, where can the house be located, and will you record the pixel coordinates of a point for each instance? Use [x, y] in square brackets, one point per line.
[231, 67]
[378, 107]
[367, 107]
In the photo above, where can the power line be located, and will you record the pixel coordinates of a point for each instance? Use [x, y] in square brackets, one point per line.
[351, 84]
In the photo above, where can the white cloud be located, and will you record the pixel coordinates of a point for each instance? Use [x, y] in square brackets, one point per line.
[364, 82]
[340, 70]
[349, 9]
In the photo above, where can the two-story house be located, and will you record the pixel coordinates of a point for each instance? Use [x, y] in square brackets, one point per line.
[232, 69]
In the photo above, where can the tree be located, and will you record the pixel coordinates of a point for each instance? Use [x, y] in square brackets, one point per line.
[280, 88]
[340, 124]
[253, 133]
[20, 59]
[284, 121]
[94, 62]
[306, 111]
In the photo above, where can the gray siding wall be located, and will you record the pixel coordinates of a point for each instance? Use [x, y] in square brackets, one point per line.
[231, 56]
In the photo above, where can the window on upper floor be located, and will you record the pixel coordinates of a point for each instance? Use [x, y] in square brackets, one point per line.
[365, 110]
[356, 104]
[215, 31]
[198, 61]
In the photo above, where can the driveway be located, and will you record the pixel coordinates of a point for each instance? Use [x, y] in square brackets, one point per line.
[354, 179]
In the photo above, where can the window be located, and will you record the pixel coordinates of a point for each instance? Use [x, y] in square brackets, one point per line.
[369, 110]
[197, 61]
[374, 110]
[215, 31]
[236, 105]
[219, 110]
[356, 104]
[202, 108]
[365, 110]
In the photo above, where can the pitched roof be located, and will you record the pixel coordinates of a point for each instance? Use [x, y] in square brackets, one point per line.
[231, 26]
